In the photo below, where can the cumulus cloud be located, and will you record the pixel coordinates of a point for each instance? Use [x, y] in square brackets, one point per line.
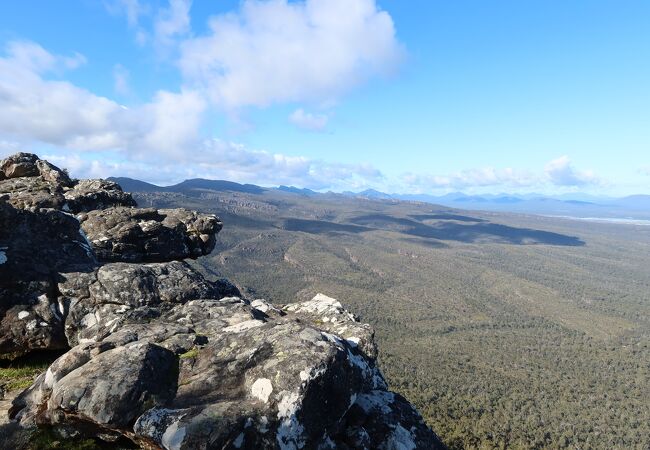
[161, 136]
[172, 22]
[561, 172]
[308, 121]
[281, 51]
[218, 159]
[265, 52]
[34, 107]
[557, 173]
[9, 147]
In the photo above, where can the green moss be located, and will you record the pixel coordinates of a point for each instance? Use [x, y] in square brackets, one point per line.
[21, 372]
[193, 353]
[47, 439]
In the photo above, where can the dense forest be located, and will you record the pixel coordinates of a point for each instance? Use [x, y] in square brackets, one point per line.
[506, 331]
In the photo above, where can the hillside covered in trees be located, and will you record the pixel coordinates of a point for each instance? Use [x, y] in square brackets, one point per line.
[506, 331]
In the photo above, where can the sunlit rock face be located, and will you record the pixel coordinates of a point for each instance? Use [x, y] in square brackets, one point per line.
[162, 356]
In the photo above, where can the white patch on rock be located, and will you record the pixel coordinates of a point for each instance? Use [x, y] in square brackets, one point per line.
[401, 439]
[353, 399]
[23, 315]
[376, 400]
[323, 306]
[353, 341]
[86, 245]
[173, 437]
[239, 441]
[262, 389]
[260, 305]
[290, 431]
[3, 257]
[89, 320]
[243, 326]
[311, 373]
[358, 361]
[49, 378]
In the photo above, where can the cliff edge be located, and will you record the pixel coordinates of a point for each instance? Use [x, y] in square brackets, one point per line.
[161, 356]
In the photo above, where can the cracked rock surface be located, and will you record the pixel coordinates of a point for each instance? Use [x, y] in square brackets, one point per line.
[162, 356]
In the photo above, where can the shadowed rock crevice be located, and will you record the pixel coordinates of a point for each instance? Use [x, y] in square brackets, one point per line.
[163, 357]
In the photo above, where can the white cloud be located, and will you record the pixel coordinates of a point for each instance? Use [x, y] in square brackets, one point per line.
[280, 51]
[172, 22]
[33, 107]
[95, 136]
[308, 121]
[131, 9]
[217, 159]
[645, 170]
[472, 178]
[557, 173]
[561, 172]
[121, 80]
[9, 147]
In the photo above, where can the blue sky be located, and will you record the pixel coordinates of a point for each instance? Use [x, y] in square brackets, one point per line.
[418, 96]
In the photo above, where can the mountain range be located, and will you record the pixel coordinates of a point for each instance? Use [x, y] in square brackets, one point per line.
[578, 205]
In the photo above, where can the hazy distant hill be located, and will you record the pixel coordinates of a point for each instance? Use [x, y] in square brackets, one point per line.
[572, 205]
[196, 184]
[132, 185]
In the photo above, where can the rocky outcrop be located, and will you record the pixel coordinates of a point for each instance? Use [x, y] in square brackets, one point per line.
[28, 182]
[164, 357]
[149, 235]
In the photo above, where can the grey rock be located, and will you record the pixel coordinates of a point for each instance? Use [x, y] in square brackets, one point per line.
[102, 300]
[140, 376]
[150, 235]
[30, 318]
[274, 383]
[32, 193]
[89, 195]
[384, 420]
[28, 182]
[35, 247]
[29, 165]
[328, 314]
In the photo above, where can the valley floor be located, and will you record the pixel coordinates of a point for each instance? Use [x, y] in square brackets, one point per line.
[506, 331]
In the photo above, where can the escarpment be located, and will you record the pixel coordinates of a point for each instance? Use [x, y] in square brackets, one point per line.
[162, 356]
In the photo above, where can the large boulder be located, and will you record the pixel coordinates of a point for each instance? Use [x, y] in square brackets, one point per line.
[29, 165]
[28, 182]
[89, 195]
[150, 235]
[102, 300]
